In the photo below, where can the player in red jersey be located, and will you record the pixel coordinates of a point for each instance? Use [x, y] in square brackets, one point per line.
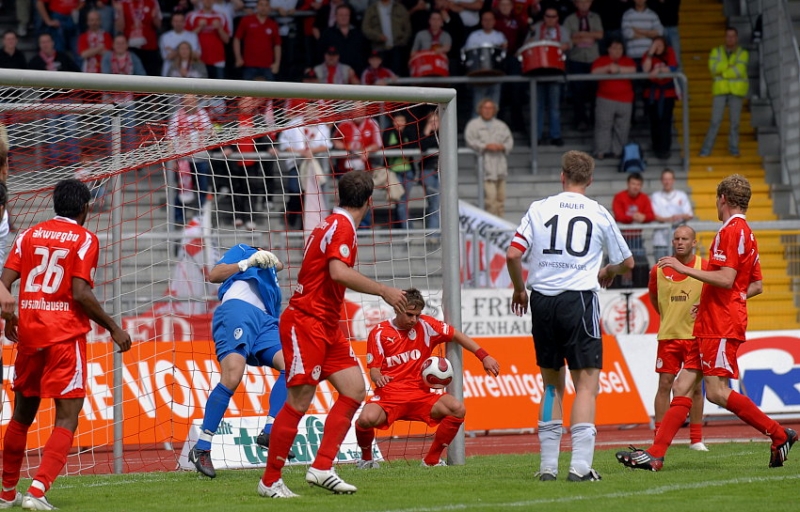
[55, 262]
[396, 350]
[314, 347]
[733, 276]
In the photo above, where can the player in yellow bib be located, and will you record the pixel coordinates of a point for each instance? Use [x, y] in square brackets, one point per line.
[675, 298]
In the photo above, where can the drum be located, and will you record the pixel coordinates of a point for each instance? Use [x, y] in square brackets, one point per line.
[542, 58]
[429, 64]
[486, 60]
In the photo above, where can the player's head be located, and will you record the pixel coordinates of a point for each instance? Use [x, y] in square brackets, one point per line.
[71, 199]
[414, 307]
[577, 168]
[684, 241]
[734, 191]
[355, 189]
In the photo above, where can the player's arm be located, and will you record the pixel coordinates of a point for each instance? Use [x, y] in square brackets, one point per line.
[610, 271]
[519, 300]
[490, 364]
[652, 288]
[378, 378]
[723, 278]
[223, 271]
[755, 288]
[358, 282]
[7, 302]
[83, 295]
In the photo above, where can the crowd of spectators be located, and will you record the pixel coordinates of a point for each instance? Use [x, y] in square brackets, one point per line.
[336, 41]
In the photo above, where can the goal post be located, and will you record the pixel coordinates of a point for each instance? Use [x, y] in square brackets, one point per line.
[109, 128]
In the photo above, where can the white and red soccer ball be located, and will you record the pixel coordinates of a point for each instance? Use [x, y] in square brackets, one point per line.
[437, 372]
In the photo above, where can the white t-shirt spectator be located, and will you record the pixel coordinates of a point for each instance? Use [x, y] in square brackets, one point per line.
[481, 38]
[667, 204]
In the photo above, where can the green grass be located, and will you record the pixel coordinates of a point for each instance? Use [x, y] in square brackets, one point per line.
[731, 477]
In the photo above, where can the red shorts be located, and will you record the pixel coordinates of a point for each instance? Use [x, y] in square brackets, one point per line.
[57, 371]
[312, 350]
[719, 356]
[673, 355]
[408, 406]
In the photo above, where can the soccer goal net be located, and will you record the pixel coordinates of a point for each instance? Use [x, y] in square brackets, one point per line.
[180, 171]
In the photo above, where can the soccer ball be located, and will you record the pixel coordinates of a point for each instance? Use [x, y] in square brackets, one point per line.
[437, 372]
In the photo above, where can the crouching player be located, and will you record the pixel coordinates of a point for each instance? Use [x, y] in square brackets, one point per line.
[245, 331]
[400, 393]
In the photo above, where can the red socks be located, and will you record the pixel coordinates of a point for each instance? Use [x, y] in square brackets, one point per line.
[284, 430]
[670, 424]
[695, 433]
[745, 409]
[14, 443]
[338, 423]
[447, 430]
[53, 460]
[365, 437]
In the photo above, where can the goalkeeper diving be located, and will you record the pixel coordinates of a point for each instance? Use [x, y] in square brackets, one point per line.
[245, 331]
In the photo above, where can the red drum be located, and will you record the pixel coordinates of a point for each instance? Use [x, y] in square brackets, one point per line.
[429, 64]
[542, 58]
[484, 60]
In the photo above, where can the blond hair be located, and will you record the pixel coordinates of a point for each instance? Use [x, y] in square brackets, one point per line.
[577, 167]
[736, 190]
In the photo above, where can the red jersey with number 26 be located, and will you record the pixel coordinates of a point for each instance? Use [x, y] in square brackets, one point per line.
[47, 257]
[315, 293]
[722, 312]
[400, 354]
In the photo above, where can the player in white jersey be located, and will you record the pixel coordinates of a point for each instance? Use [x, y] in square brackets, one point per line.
[565, 236]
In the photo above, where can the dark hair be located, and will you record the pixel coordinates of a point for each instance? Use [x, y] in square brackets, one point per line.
[355, 189]
[667, 171]
[70, 198]
[616, 40]
[10, 31]
[635, 176]
[414, 298]
[729, 27]
[3, 194]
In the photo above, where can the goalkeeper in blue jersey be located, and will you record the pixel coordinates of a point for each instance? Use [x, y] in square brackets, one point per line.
[245, 330]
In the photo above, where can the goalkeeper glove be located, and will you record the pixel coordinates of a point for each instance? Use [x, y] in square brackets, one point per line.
[261, 259]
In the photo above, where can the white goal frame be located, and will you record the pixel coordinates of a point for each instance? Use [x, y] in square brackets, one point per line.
[445, 98]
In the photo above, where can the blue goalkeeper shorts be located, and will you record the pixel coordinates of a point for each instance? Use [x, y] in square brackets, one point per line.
[240, 327]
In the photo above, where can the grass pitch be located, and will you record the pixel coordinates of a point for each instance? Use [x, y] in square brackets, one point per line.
[731, 477]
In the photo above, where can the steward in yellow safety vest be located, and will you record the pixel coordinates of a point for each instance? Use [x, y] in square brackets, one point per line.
[728, 66]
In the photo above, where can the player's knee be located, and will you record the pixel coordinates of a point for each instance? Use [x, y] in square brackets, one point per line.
[458, 410]
[716, 397]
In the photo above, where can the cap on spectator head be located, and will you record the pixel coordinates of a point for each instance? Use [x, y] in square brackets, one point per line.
[332, 50]
[375, 53]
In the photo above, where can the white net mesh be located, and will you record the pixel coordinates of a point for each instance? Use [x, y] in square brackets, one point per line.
[183, 178]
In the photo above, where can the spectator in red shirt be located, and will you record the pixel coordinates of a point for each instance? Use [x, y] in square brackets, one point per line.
[614, 105]
[262, 44]
[140, 21]
[632, 206]
[93, 43]
[214, 33]
[660, 95]
[376, 74]
[57, 16]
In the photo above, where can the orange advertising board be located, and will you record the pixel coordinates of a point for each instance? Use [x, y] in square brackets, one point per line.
[165, 387]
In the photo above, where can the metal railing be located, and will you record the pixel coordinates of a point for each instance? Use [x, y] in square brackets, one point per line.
[534, 80]
[780, 73]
